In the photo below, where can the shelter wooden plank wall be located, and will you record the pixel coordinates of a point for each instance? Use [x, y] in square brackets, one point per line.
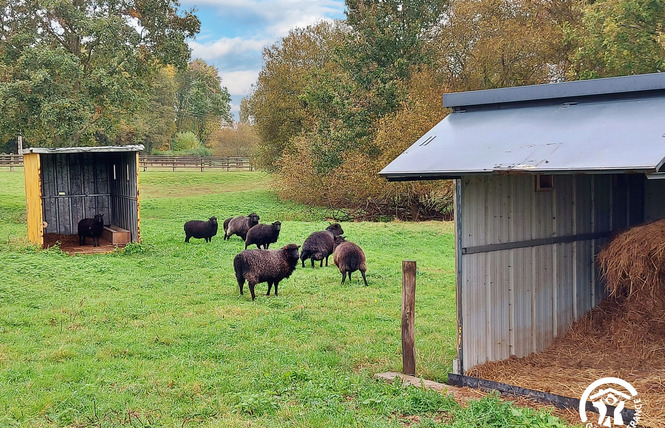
[33, 195]
[75, 186]
[516, 298]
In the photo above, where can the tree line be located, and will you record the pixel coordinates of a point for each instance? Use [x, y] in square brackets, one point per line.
[337, 101]
[106, 72]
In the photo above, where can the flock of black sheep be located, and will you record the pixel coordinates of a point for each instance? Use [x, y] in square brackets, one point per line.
[271, 266]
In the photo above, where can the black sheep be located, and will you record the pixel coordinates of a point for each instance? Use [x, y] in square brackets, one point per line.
[239, 225]
[201, 229]
[269, 266]
[92, 227]
[263, 234]
[320, 245]
[349, 257]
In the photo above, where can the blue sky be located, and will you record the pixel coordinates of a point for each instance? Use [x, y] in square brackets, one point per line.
[234, 33]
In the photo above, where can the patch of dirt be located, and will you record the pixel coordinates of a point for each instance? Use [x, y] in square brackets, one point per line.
[70, 244]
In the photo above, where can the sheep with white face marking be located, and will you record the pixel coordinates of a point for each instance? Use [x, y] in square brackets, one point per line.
[349, 257]
[271, 266]
[320, 245]
[263, 234]
[240, 225]
[201, 229]
[92, 227]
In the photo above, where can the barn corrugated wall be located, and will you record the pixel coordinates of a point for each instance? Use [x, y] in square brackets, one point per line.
[526, 263]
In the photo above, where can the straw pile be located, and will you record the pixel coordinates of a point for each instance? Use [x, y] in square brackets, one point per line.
[623, 337]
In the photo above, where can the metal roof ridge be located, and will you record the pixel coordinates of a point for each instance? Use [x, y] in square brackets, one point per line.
[550, 91]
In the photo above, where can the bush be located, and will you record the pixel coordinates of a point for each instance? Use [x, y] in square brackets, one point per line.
[198, 151]
[185, 141]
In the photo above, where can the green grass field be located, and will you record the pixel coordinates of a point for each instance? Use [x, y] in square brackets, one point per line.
[158, 334]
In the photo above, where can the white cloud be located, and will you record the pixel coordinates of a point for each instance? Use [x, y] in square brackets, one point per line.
[225, 46]
[234, 33]
[239, 82]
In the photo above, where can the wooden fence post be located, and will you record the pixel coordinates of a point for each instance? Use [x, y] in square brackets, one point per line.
[408, 317]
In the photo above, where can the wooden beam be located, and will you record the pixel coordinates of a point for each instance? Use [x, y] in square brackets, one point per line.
[408, 317]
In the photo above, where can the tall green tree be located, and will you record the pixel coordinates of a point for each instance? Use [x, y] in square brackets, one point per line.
[384, 44]
[203, 104]
[73, 71]
[278, 104]
[387, 43]
[620, 37]
[154, 125]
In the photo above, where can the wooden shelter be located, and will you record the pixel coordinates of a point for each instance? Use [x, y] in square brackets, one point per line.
[65, 185]
[544, 175]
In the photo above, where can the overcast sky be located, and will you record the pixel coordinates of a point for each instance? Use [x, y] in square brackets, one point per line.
[234, 33]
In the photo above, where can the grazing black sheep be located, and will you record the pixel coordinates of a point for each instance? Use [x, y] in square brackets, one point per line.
[226, 226]
[269, 266]
[92, 227]
[263, 234]
[201, 229]
[320, 245]
[349, 257]
[240, 225]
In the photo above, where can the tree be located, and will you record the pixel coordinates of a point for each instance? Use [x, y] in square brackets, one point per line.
[73, 72]
[387, 44]
[240, 140]
[154, 125]
[203, 104]
[277, 106]
[494, 44]
[383, 45]
[619, 37]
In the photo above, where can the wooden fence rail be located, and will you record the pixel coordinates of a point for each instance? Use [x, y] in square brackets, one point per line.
[154, 161]
[11, 160]
[201, 162]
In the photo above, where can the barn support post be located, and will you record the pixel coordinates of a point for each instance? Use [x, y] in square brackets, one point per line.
[458, 363]
[408, 317]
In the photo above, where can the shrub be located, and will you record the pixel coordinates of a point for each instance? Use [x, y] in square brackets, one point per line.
[185, 141]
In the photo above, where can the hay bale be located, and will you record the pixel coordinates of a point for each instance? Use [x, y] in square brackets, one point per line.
[633, 263]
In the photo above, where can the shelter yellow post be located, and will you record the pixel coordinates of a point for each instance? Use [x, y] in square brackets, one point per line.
[33, 197]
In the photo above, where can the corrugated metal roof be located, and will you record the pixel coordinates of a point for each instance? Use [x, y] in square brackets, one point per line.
[515, 131]
[98, 149]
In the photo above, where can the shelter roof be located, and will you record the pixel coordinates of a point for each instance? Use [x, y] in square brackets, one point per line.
[592, 126]
[97, 149]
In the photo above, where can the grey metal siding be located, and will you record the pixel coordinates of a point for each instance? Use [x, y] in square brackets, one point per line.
[518, 296]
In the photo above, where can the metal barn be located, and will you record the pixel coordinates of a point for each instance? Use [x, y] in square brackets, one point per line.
[544, 175]
[64, 185]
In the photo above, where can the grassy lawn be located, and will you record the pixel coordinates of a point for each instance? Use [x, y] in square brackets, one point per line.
[158, 334]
